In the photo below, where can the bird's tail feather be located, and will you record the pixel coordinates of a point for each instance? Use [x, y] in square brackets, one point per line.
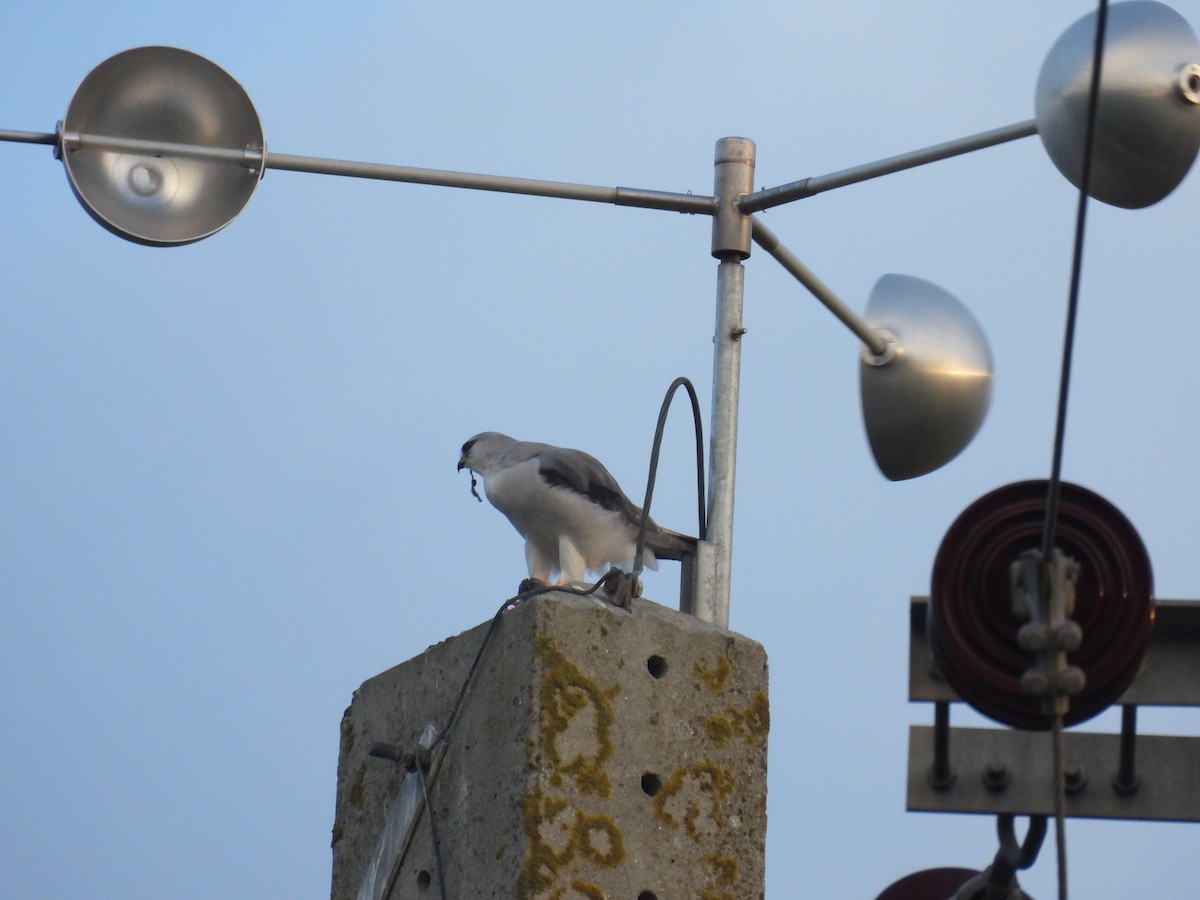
[667, 544]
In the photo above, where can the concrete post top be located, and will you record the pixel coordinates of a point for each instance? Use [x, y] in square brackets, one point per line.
[599, 752]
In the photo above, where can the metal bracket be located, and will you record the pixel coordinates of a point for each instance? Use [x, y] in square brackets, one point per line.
[1004, 771]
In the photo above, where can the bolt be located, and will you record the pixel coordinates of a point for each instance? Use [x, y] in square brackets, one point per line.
[1189, 83]
[995, 776]
[1073, 778]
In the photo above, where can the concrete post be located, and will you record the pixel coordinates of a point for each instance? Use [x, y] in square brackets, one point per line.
[601, 753]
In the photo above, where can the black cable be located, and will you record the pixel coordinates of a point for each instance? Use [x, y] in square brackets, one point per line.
[443, 736]
[1060, 425]
[462, 692]
[653, 476]
[419, 761]
[1054, 486]
[433, 834]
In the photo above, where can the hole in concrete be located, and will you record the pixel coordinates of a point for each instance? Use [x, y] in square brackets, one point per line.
[651, 784]
[647, 895]
[656, 666]
[423, 880]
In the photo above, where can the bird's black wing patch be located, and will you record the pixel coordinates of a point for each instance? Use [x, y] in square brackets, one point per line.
[584, 474]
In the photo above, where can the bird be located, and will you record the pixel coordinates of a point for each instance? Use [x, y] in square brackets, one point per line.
[570, 510]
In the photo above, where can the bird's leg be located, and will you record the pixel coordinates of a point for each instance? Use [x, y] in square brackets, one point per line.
[571, 564]
[537, 563]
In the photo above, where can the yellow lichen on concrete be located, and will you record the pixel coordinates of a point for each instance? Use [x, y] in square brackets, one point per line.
[583, 889]
[355, 796]
[347, 735]
[752, 723]
[718, 729]
[575, 743]
[695, 796]
[724, 868]
[566, 694]
[716, 675]
[551, 821]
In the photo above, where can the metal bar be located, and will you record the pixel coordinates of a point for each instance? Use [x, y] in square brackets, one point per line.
[73, 141]
[684, 203]
[254, 159]
[806, 187]
[765, 238]
[1169, 767]
[29, 137]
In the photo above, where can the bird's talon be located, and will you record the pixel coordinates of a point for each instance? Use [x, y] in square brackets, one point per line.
[531, 584]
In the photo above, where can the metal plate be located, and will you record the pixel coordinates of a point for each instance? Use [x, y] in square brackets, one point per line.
[1168, 768]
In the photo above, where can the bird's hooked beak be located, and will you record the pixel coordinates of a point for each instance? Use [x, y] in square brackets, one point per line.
[462, 464]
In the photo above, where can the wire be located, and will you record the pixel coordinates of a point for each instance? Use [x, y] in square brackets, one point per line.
[1060, 805]
[443, 735]
[1054, 486]
[1060, 425]
[653, 476]
[433, 834]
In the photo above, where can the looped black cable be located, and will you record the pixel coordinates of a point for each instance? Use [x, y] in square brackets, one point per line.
[697, 422]
[999, 880]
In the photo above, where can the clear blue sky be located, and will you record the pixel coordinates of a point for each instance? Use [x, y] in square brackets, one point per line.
[227, 486]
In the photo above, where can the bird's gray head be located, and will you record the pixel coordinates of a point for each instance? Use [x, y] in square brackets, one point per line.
[483, 451]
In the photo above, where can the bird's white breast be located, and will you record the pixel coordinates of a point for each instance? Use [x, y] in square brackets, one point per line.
[543, 513]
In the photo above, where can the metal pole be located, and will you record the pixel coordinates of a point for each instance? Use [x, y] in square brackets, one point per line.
[765, 238]
[618, 196]
[73, 141]
[734, 178]
[807, 187]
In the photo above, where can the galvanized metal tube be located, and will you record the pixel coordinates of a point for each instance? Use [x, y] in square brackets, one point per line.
[765, 238]
[74, 140]
[806, 187]
[684, 203]
[734, 177]
[29, 137]
[722, 462]
[254, 159]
